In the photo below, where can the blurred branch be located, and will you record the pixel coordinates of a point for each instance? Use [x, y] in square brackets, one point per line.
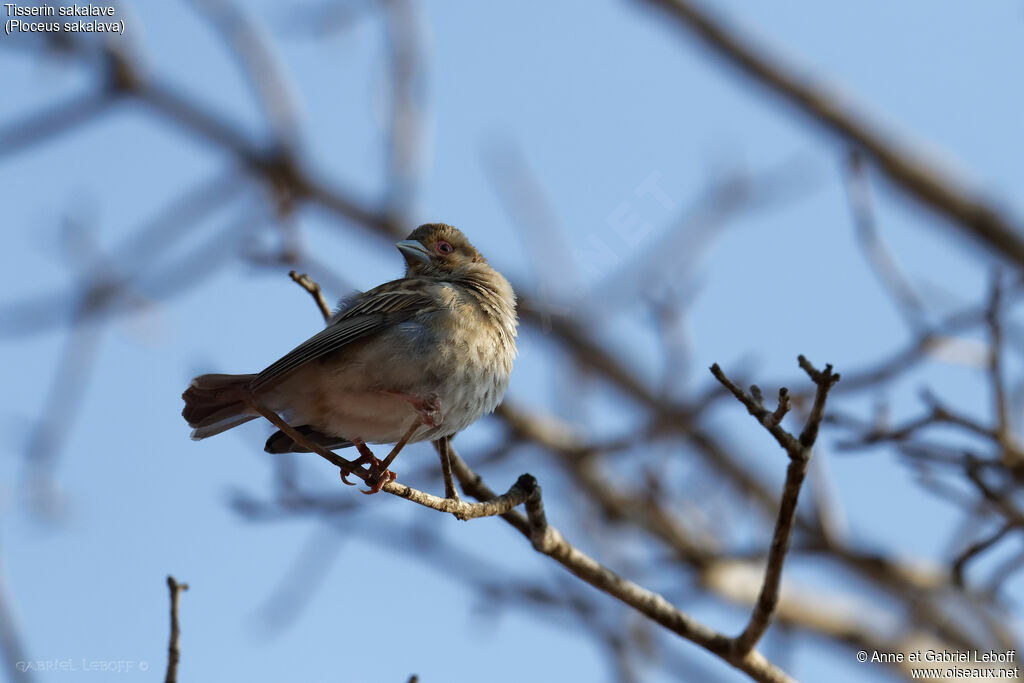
[661, 425]
[885, 267]
[277, 167]
[405, 131]
[60, 119]
[976, 549]
[674, 254]
[12, 649]
[1011, 452]
[262, 70]
[123, 268]
[903, 165]
[524, 199]
[925, 345]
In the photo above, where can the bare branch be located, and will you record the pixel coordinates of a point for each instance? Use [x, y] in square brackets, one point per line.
[757, 409]
[799, 451]
[308, 284]
[173, 648]
[547, 540]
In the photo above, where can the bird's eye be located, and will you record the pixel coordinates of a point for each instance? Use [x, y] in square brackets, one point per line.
[444, 248]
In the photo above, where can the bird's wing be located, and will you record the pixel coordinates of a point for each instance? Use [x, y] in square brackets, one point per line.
[369, 313]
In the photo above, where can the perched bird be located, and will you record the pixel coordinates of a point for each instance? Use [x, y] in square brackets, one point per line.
[415, 359]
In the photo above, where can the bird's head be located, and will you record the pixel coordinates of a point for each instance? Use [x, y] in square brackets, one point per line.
[438, 250]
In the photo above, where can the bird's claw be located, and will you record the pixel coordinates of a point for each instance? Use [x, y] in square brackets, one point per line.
[367, 458]
[377, 480]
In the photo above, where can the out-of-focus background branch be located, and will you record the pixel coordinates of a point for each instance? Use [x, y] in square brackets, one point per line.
[655, 213]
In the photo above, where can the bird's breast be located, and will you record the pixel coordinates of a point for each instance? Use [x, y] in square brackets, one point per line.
[456, 354]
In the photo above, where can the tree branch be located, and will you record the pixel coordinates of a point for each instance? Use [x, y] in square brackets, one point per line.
[311, 286]
[549, 541]
[173, 649]
[799, 451]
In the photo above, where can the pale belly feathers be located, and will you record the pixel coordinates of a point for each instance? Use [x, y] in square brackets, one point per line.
[345, 395]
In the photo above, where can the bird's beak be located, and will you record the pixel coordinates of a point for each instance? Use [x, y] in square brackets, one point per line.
[412, 250]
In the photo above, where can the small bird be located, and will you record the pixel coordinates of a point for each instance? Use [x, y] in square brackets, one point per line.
[415, 359]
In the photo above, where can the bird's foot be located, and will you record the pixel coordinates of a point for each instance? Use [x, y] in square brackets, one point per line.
[376, 481]
[376, 474]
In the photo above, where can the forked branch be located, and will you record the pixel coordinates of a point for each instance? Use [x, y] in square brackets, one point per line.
[799, 451]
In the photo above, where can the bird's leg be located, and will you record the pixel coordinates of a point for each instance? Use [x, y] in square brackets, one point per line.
[379, 473]
[446, 467]
[428, 412]
[366, 457]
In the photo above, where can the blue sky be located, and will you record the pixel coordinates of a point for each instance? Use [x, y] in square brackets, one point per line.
[598, 98]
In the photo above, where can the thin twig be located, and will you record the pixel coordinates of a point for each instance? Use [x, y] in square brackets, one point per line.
[799, 451]
[173, 648]
[311, 286]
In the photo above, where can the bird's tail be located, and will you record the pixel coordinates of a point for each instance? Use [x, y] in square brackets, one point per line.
[216, 403]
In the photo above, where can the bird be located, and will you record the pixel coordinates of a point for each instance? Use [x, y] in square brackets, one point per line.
[415, 359]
